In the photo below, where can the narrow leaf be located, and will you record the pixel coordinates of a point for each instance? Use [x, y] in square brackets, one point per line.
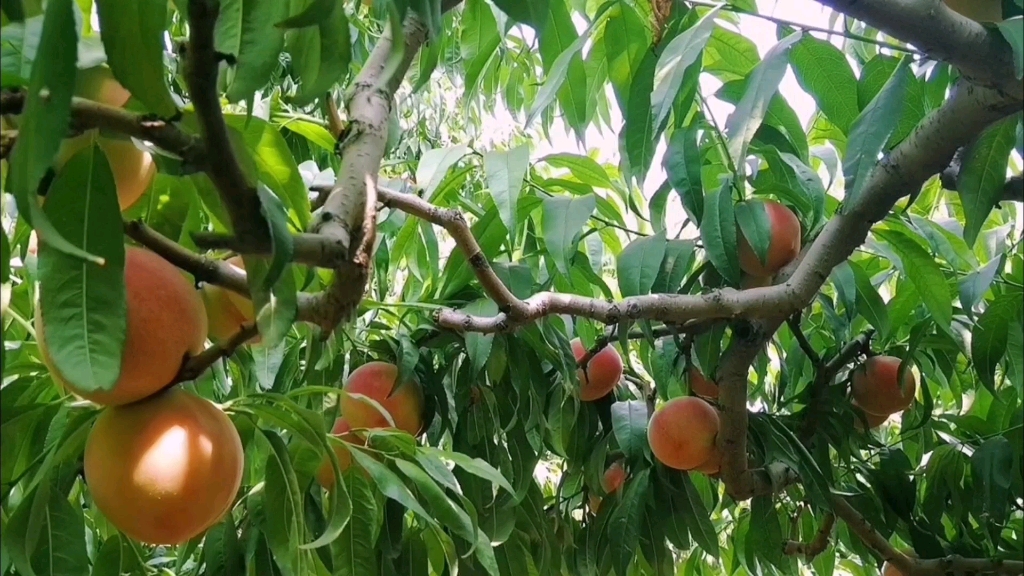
[629, 421]
[505, 172]
[682, 164]
[718, 231]
[988, 346]
[82, 304]
[639, 263]
[871, 130]
[924, 273]
[677, 56]
[133, 36]
[562, 222]
[983, 174]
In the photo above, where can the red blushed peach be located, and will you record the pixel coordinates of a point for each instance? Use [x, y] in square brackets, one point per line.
[604, 370]
[376, 380]
[682, 432]
[783, 247]
[325, 474]
[875, 389]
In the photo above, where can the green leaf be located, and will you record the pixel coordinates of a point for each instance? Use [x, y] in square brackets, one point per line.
[390, 484]
[699, 518]
[729, 55]
[44, 122]
[974, 286]
[869, 303]
[61, 546]
[639, 133]
[446, 511]
[271, 284]
[983, 174]
[475, 466]
[282, 506]
[133, 37]
[478, 346]
[871, 130]
[505, 172]
[624, 525]
[992, 467]
[718, 231]
[562, 221]
[567, 66]
[924, 273]
[677, 56]
[629, 421]
[762, 86]
[479, 41]
[679, 257]
[434, 164]
[639, 263]
[321, 55]
[315, 133]
[823, 71]
[626, 41]
[354, 550]
[82, 304]
[755, 226]
[259, 45]
[583, 168]
[1013, 31]
[533, 13]
[275, 165]
[682, 164]
[988, 346]
[310, 16]
[810, 185]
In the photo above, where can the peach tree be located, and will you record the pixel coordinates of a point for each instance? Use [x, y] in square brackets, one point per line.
[312, 287]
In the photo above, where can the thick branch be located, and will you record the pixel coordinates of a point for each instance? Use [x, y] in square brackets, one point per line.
[309, 249]
[982, 56]
[345, 212]
[236, 191]
[860, 526]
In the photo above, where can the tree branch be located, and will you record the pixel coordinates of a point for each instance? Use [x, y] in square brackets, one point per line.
[823, 377]
[199, 363]
[794, 325]
[236, 191]
[347, 217]
[982, 56]
[1013, 190]
[914, 567]
[810, 550]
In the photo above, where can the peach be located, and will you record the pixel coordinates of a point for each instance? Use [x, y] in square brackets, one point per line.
[783, 247]
[227, 311]
[133, 169]
[874, 386]
[604, 370]
[98, 84]
[376, 380]
[702, 386]
[165, 469]
[682, 432]
[166, 324]
[325, 474]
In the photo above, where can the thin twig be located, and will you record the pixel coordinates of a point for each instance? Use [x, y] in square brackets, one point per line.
[197, 365]
[810, 550]
[794, 325]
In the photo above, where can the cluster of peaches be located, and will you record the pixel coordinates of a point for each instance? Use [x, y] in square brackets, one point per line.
[163, 464]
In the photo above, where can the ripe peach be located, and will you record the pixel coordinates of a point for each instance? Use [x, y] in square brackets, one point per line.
[325, 474]
[890, 570]
[133, 169]
[712, 465]
[875, 390]
[682, 432]
[612, 481]
[702, 386]
[376, 380]
[874, 420]
[166, 323]
[165, 469]
[783, 247]
[98, 84]
[603, 371]
[226, 311]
